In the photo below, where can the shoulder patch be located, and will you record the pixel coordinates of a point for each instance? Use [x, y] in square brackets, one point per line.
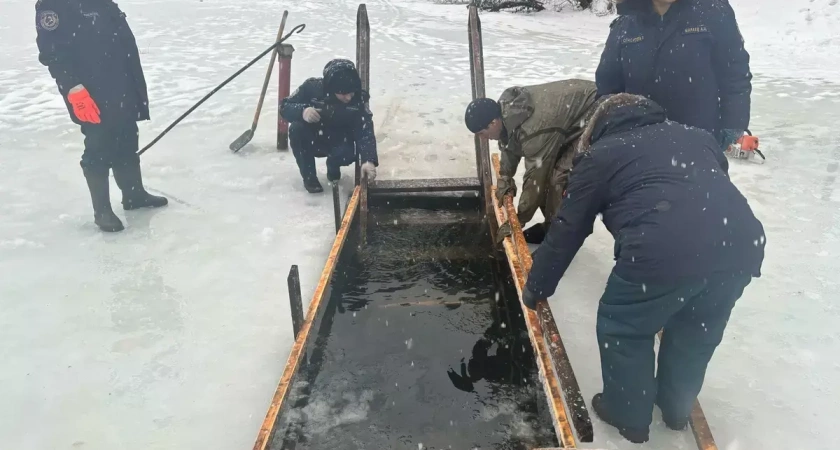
[48, 20]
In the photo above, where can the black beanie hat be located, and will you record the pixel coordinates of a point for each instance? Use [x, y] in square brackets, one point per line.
[341, 77]
[480, 113]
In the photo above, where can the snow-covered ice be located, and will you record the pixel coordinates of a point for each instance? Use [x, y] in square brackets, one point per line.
[173, 334]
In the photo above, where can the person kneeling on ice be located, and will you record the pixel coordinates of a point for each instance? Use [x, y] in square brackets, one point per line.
[686, 246]
[329, 117]
[541, 124]
[91, 52]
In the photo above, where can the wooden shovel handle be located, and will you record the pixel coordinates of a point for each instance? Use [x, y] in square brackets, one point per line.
[268, 72]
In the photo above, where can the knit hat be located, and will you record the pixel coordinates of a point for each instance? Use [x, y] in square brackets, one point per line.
[480, 113]
[341, 77]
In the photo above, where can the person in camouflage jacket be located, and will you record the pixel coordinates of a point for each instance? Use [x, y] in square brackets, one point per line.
[540, 124]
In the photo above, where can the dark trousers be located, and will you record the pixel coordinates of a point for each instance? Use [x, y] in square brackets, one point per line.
[693, 315]
[309, 141]
[110, 145]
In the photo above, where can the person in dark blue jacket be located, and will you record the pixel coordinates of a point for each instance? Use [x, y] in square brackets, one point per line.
[92, 55]
[329, 117]
[686, 55]
[686, 246]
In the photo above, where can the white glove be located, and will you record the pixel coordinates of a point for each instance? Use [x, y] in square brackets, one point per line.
[311, 115]
[369, 171]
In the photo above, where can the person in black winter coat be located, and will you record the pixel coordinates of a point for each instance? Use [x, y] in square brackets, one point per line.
[686, 55]
[686, 246]
[329, 117]
[92, 55]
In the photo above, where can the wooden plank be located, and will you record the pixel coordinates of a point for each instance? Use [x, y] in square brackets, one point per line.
[560, 358]
[562, 427]
[426, 185]
[296, 355]
[699, 425]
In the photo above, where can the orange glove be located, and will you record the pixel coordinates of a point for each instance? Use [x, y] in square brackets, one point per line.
[83, 106]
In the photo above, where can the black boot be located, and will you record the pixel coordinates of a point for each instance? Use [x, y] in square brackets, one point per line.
[130, 181]
[312, 185]
[634, 435]
[535, 234]
[103, 215]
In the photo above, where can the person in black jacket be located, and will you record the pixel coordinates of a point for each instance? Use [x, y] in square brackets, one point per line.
[686, 246]
[686, 55]
[329, 117]
[92, 55]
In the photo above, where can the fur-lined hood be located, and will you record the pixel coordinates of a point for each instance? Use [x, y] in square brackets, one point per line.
[618, 113]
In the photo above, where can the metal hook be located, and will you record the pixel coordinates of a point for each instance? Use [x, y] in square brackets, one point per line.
[295, 30]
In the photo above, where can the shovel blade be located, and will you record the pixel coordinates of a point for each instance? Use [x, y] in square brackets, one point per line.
[242, 140]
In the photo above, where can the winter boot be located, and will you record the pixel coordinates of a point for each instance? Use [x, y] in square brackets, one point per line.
[535, 234]
[103, 215]
[634, 435]
[333, 173]
[676, 425]
[312, 185]
[135, 196]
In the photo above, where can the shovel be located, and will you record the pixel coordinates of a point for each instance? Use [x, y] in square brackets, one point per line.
[246, 137]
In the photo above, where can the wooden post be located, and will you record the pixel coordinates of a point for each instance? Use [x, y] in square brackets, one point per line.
[285, 52]
[482, 147]
[362, 62]
[295, 299]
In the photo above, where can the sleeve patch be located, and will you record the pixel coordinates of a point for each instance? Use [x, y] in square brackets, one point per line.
[48, 20]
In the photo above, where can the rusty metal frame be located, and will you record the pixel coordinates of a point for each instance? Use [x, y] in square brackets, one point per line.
[482, 146]
[426, 185]
[550, 382]
[298, 349]
[363, 216]
[559, 357]
[362, 62]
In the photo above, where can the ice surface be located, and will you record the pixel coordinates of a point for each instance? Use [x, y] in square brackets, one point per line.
[173, 334]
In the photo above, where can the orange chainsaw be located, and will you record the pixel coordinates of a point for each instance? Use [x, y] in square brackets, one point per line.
[746, 147]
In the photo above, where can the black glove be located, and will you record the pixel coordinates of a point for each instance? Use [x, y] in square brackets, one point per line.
[529, 299]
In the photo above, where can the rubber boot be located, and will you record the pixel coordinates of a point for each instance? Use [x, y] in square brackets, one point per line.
[634, 435]
[312, 185]
[130, 181]
[535, 234]
[103, 215]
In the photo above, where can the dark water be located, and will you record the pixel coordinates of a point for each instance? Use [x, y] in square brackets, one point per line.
[418, 349]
